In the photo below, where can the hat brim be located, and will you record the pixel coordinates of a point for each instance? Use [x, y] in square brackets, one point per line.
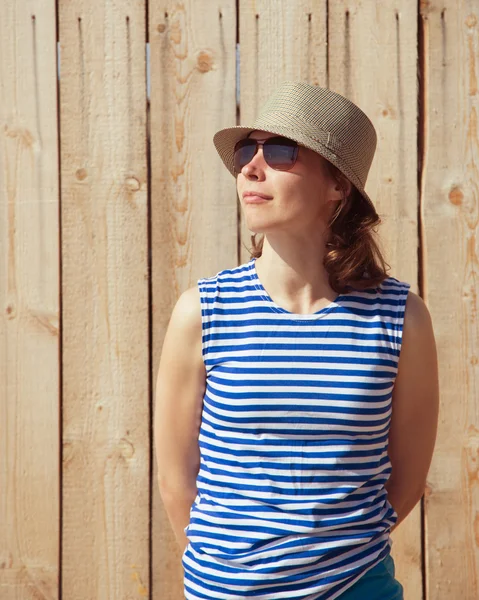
[225, 140]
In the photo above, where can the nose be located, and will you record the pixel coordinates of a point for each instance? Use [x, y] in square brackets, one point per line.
[257, 160]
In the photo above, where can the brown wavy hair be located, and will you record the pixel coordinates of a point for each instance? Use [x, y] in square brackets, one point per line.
[353, 258]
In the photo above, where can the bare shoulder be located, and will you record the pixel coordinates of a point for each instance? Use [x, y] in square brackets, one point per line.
[418, 356]
[182, 343]
[416, 306]
[417, 318]
[186, 314]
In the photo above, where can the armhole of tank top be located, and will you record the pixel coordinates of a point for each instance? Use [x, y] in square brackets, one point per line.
[401, 313]
[201, 283]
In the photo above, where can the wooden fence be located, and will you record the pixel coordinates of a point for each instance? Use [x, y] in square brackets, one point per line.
[113, 201]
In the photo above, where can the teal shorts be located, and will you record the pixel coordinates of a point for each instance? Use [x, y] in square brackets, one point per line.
[379, 583]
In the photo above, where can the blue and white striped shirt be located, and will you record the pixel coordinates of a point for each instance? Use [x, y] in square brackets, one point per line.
[293, 441]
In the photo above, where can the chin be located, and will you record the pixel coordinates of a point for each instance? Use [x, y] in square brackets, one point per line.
[258, 227]
[258, 223]
[254, 230]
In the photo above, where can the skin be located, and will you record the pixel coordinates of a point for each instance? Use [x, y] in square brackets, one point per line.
[295, 225]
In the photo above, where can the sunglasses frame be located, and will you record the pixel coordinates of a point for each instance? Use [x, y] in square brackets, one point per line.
[261, 142]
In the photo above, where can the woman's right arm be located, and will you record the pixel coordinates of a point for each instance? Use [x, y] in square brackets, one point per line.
[180, 387]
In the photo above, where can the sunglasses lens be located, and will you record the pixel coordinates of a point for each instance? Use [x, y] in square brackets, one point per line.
[244, 151]
[280, 153]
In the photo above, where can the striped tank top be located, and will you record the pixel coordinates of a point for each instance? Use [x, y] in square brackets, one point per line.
[293, 441]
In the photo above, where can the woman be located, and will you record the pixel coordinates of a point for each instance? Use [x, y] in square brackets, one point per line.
[297, 394]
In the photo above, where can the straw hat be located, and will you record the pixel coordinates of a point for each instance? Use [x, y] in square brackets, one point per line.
[317, 118]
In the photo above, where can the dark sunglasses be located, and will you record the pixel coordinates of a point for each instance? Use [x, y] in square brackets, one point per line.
[280, 153]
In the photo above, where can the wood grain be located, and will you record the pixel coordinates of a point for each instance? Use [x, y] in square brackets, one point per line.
[278, 42]
[106, 394]
[83, 218]
[450, 209]
[29, 290]
[193, 196]
[373, 61]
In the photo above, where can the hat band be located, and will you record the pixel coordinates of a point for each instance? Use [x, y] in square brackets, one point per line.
[315, 133]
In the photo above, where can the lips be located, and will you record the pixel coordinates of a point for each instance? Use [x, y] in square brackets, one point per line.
[255, 200]
[256, 195]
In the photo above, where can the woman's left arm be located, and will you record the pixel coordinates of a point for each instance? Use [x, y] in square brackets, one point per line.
[415, 408]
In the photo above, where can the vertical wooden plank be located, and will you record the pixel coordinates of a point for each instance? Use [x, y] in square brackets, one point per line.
[292, 47]
[373, 61]
[194, 207]
[278, 41]
[29, 285]
[106, 490]
[450, 209]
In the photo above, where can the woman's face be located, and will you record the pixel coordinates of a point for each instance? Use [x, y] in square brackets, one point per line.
[301, 198]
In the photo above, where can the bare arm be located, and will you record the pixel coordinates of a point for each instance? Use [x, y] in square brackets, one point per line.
[415, 410]
[180, 388]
